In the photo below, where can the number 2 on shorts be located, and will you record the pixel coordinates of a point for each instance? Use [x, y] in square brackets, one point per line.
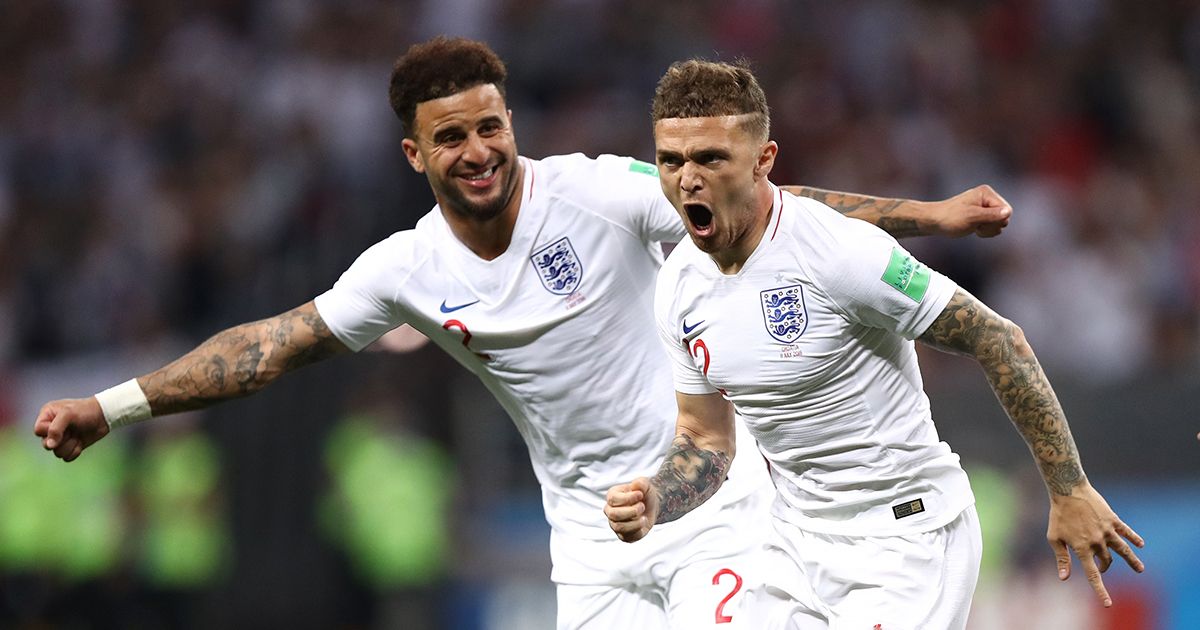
[737, 586]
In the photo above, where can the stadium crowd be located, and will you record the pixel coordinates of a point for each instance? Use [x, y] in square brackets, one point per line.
[149, 146]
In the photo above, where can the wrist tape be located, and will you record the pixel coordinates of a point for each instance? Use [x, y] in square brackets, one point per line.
[124, 404]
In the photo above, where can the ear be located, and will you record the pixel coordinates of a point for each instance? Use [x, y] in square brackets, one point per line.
[766, 159]
[413, 153]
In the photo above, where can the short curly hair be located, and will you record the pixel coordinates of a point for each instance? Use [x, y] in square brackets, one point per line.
[699, 89]
[440, 67]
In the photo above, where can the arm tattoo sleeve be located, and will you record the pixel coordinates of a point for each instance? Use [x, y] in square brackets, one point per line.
[240, 361]
[970, 328]
[688, 477]
[875, 210]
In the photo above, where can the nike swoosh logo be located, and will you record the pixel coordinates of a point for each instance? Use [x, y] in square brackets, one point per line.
[687, 330]
[451, 309]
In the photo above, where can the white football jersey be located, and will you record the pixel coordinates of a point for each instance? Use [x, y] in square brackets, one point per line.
[559, 327]
[812, 342]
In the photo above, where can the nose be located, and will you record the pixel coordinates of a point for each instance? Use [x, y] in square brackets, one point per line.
[475, 151]
[689, 179]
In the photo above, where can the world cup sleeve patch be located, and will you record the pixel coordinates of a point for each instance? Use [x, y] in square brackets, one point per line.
[905, 274]
[645, 168]
[908, 508]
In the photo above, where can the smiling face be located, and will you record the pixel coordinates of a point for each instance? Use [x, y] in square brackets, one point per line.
[464, 145]
[713, 170]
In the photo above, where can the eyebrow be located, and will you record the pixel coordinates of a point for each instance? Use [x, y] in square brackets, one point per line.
[710, 152]
[695, 154]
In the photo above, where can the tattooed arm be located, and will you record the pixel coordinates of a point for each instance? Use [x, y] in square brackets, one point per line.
[979, 210]
[967, 327]
[234, 362]
[240, 361]
[695, 467]
[1080, 519]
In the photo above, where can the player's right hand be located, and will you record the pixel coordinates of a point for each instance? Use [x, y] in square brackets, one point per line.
[69, 426]
[631, 509]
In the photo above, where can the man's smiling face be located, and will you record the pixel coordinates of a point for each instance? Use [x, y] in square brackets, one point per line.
[464, 144]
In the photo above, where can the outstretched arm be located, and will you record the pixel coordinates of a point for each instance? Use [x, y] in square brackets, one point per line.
[979, 210]
[695, 467]
[1080, 519]
[234, 362]
[240, 361]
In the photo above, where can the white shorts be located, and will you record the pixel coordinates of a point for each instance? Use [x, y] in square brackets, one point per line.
[690, 573]
[916, 582]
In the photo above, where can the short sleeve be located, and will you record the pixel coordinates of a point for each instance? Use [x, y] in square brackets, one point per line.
[630, 193]
[360, 307]
[880, 284]
[688, 378]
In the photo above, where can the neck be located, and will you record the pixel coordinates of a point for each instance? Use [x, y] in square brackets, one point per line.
[488, 238]
[731, 260]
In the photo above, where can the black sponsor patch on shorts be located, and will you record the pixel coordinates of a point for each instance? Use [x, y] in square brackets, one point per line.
[908, 508]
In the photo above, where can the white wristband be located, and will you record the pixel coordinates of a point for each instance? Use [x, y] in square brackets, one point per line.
[124, 404]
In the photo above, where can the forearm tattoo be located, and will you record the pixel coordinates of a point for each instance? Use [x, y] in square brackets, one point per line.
[688, 477]
[240, 360]
[871, 209]
[968, 327]
[899, 228]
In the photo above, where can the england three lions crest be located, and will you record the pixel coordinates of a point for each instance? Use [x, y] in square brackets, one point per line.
[558, 267]
[784, 313]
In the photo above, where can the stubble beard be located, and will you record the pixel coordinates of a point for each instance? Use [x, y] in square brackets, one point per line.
[458, 203]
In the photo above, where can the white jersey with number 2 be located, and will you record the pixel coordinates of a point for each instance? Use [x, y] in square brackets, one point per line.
[812, 342]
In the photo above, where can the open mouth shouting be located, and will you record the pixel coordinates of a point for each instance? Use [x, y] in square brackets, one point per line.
[700, 219]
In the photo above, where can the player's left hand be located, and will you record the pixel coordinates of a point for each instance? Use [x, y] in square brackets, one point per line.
[979, 210]
[1084, 524]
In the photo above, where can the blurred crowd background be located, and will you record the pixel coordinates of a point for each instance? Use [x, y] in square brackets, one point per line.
[170, 168]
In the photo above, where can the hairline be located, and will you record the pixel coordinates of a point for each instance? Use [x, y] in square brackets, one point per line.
[747, 122]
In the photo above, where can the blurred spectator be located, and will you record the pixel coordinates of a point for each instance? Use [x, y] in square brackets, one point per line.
[184, 529]
[388, 507]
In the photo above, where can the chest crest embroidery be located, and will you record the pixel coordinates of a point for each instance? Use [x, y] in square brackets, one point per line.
[784, 313]
[558, 267]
